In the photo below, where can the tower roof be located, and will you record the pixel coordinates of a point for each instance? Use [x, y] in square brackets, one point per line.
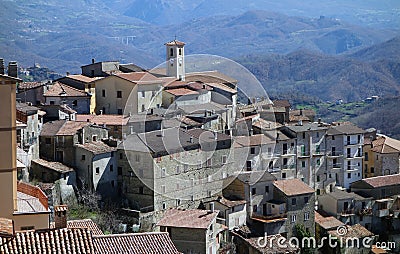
[175, 43]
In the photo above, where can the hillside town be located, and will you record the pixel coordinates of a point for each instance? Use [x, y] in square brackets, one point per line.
[182, 163]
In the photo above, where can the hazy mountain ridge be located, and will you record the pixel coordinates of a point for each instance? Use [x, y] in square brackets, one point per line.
[325, 77]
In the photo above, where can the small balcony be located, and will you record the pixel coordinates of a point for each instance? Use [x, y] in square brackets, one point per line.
[347, 212]
[289, 166]
[382, 213]
[333, 154]
[269, 218]
[304, 154]
[364, 211]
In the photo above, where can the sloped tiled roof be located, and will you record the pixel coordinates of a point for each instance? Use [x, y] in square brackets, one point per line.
[386, 144]
[281, 103]
[293, 187]
[62, 128]
[230, 203]
[53, 165]
[97, 147]
[252, 177]
[181, 91]
[103, 119]
[209, 77]
[175, 43]
[137, 77]
[85, 223]
[141, 243]
[6, 227]
[253, 140]
[50, 241]
[191, 218]
[327, 222]
[346, 129]
[355, 231]
[82, 78]
[31, 199]
[29, 85]
[382, 181]
[60, 89]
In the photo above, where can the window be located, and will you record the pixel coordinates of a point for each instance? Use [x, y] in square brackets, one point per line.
[178, 202]
[112, 154]
[294, 201]
[253, 191]
[112, 183]
[185, 168]
[137, 157]
[248, 165]
[283, 175]
[103, 93]
[171, 52]
[164, 206]
[143, 108]
[293, 218]
[163, 189]
[163, 172]
[178, 186]
[94, 138]
[119, 94]
[120, 171]
[317, 149]
[75, 103]
[111, 168]
[303, 164]
[48, 141]
[27, 228]
[119, 111]
[224, 159]
[180, 52]
[143, 94]
[252, 150]
[140, 172]
[335, 162]
[318, 179]
[372, 170]
[97, 170]
[333, 137]
[52, 102]
[306, 216]
[255, 208]
[178, 170]
[285, 161]
[304, 135]
[318, 191]
[141, 190]
[318, 162]
[348, 175]
[305, 200]
[209, 162]
[120, 156]
[266, 189]
[366, 156]
[191, 182]
[317, 134]
[209, 194]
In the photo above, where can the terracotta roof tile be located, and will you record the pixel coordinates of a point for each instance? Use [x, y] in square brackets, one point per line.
[57, 241]
[381, 181]
[355, 231]
[6, 227]
[137, 77]
[97, 147]
[62, 128]
[31, 199]
[85, 223]
[230, 203]
[175, 43]
[209, 77]
[60, 89]
[293, 187]
[281, 103]
[82, 78]
[253, 140]
[141, 243]
[181, 91]
[385, 144]
[53, 165]
[29, 85]
[103, 119]
[194, 218]
[327, 222]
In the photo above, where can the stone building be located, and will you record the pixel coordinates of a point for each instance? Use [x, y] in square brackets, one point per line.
[61, 94]
[116, 125]
[96, 167]
[193, 230]
[134, 92]
[310, 152]
[299, 201]
[348, 207]
[344, 149]
[32, 92]
[173, 168]
[58, 138]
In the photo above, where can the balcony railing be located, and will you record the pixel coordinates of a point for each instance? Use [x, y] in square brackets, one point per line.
[304, 154]
[382, 213]
[334, 153]
[347, 212]
[269, 217]
[289, 166]
[365, 211]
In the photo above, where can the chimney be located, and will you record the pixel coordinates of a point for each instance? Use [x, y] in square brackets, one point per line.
[191, 140]
[60, 216]
[101, 111]
[67, 73]
[319, 120]
[2, 66]
[13, 69]
[212, 207]
[93, 60]
[300, 123]
[301, 112]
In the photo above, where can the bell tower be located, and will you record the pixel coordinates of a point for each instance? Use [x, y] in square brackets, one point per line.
[175, 59]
